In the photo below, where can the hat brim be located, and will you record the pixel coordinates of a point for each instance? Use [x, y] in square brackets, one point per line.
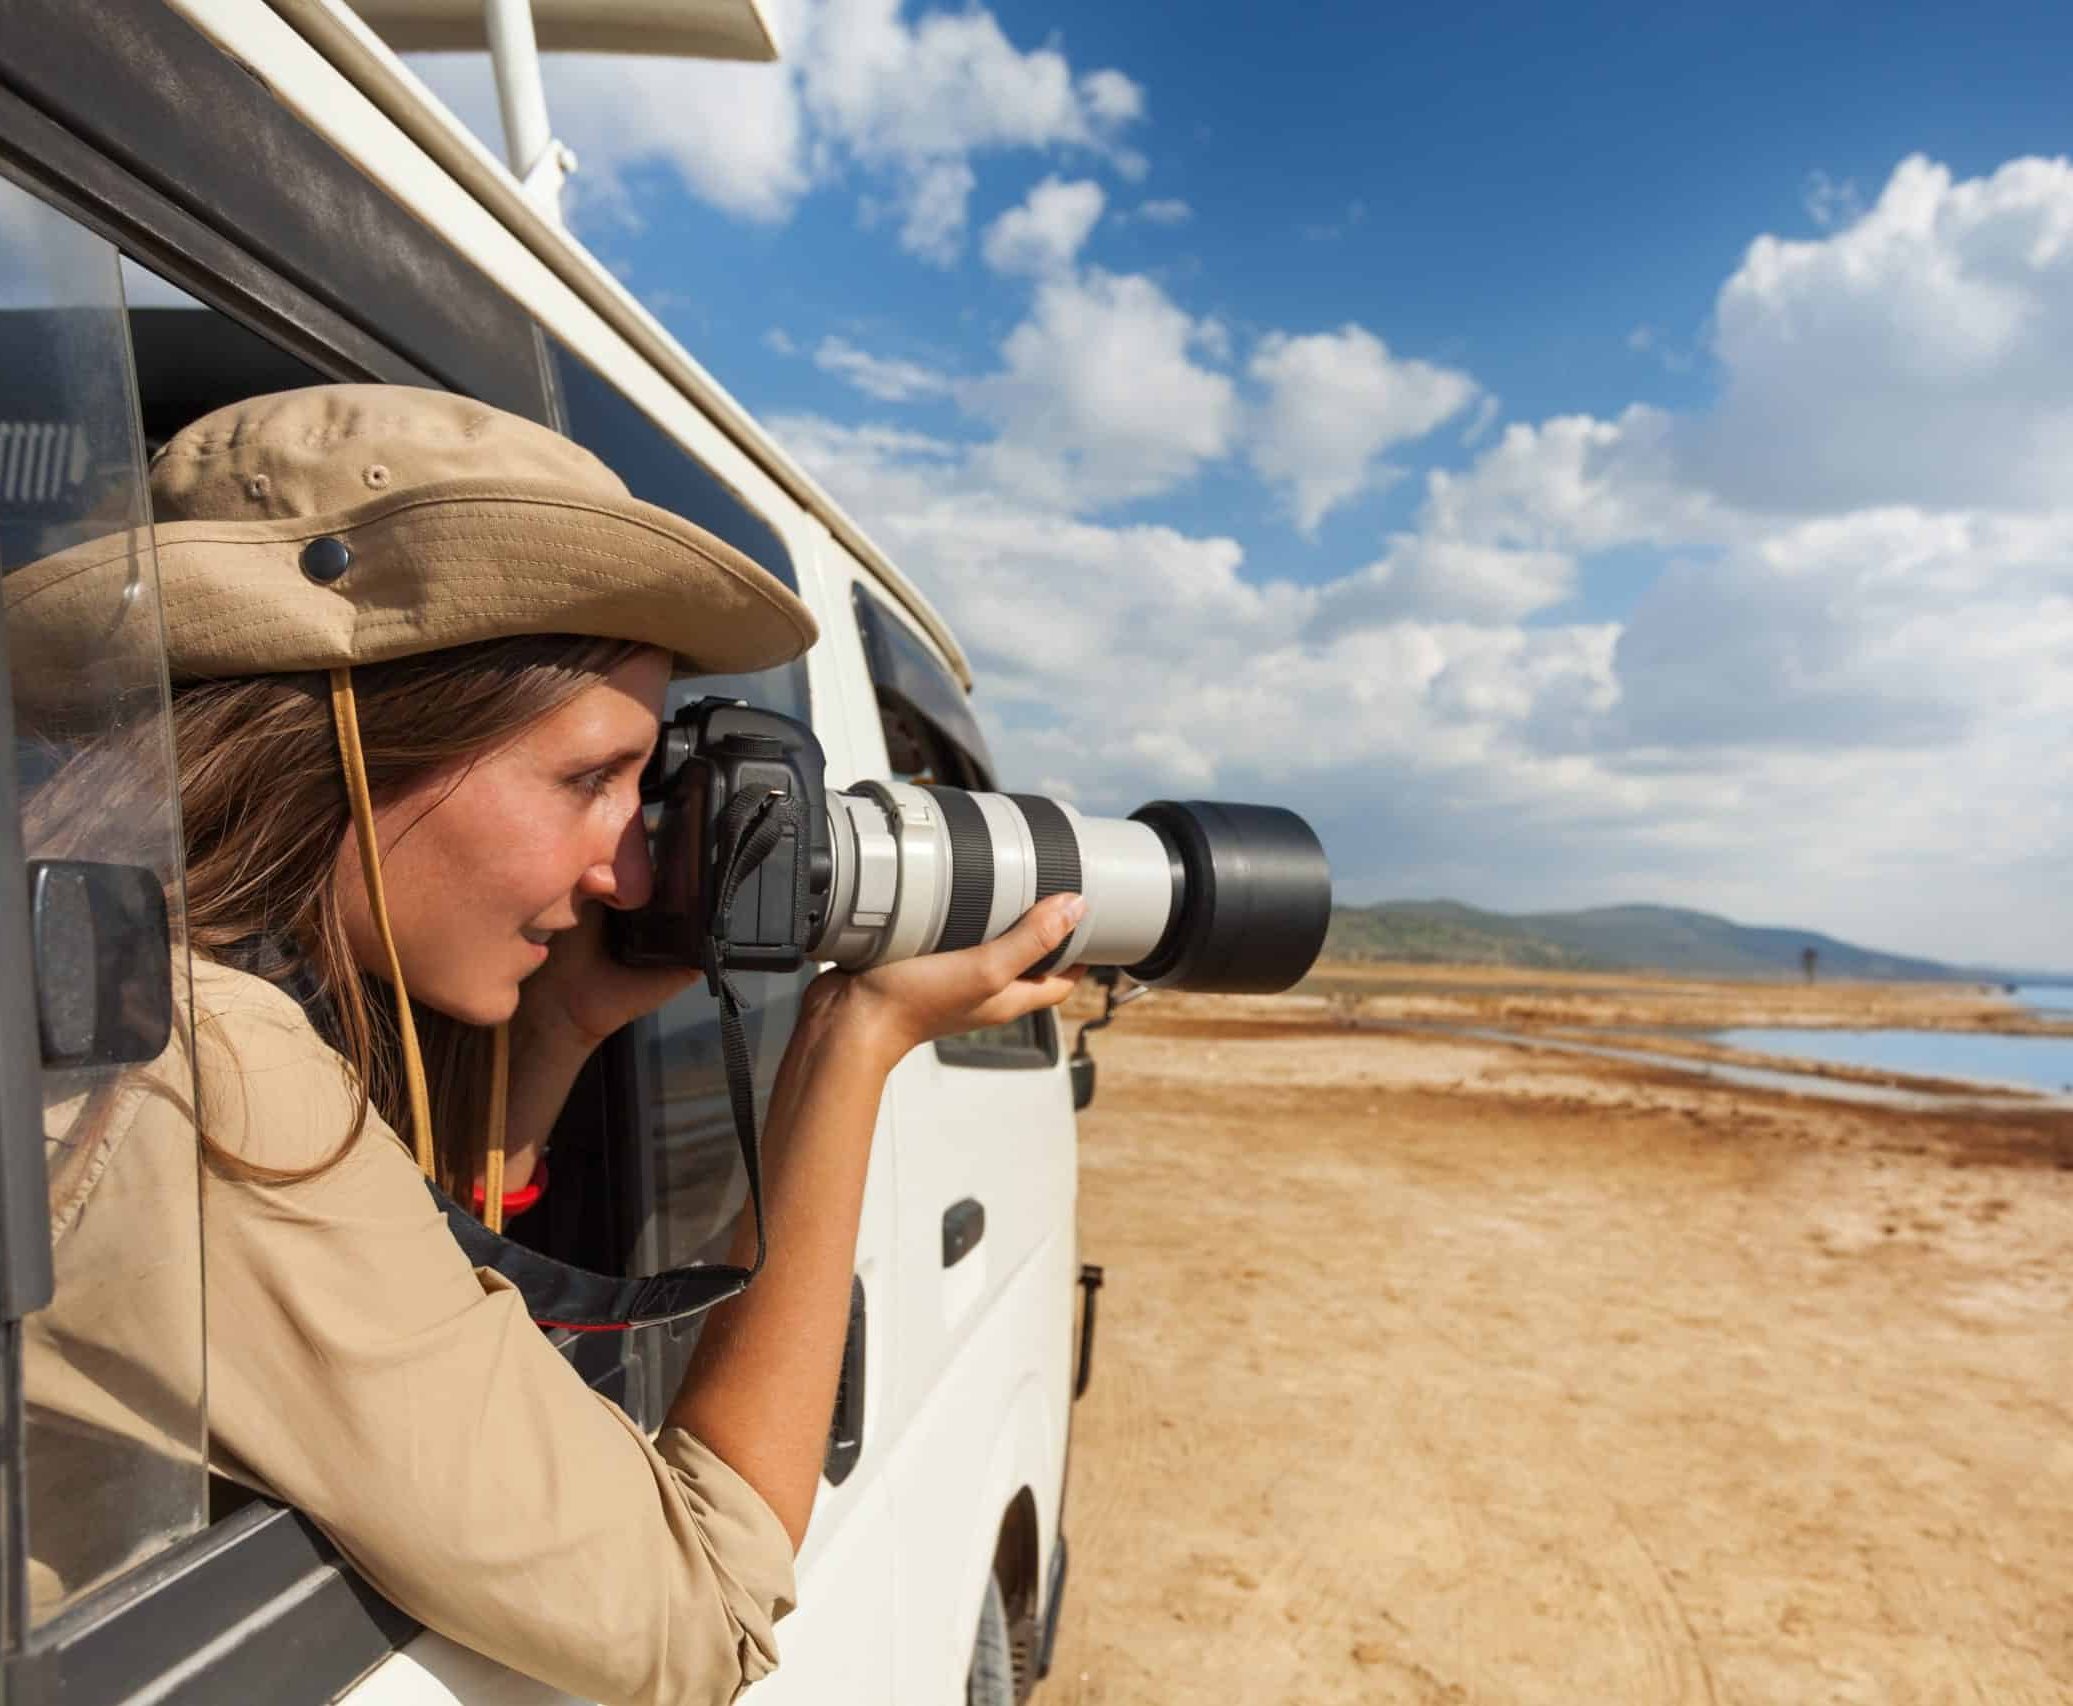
[439, 565]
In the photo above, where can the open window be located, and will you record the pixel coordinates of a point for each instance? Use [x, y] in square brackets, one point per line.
[654, 1110]
[930, 732]
[932, 736]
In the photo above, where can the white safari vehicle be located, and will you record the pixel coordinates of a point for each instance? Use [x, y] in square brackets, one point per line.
[207, 199]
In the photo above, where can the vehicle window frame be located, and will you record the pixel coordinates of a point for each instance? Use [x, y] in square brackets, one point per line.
[264, 1567]
[911, 685]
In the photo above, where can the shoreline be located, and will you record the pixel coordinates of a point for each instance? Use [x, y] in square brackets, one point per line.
[1665, 1001]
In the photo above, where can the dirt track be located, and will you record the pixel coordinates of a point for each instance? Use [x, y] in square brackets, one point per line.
[1433, 1371]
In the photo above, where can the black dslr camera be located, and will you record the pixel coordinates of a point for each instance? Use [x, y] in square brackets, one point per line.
[713, 757]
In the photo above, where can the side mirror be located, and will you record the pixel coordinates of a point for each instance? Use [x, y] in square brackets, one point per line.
[104, 965]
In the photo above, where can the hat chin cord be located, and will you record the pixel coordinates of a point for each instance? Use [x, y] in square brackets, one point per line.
[345, 718]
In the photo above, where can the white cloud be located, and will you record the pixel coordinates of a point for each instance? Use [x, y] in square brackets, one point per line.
[1573, 483]
[1425, 576]
[1044, 234]
[1336, 402]
[1922, 355]
[949, 84]
[1163, 210]
[932, 224]
[890, 381]
[1138, 658]
[1101, 396]
[1893, 629]
[1112, 98]
[909, 103]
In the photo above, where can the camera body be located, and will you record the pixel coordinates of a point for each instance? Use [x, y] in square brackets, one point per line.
[713, 752]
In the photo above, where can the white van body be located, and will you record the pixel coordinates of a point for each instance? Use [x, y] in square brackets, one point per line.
[968, 1368]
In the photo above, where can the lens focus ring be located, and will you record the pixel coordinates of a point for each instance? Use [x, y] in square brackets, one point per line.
[1057, 857]
[971, 870]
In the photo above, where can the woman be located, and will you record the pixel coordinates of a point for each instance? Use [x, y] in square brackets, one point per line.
[419, 650]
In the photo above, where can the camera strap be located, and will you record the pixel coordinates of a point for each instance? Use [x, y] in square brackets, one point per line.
[558, 1294]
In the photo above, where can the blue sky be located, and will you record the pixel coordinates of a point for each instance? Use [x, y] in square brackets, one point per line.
[1580, 454]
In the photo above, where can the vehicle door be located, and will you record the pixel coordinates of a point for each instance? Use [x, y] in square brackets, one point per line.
[664, 1088]
[987, 1169]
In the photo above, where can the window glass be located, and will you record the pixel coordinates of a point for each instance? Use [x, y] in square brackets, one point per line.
[659, 470]
[932, 736]
[191, 359]
[112, 1367]
[929, 727]
[1031, 1040]
[694, 1180]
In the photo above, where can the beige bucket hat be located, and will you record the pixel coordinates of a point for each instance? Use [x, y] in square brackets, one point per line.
[350, 524]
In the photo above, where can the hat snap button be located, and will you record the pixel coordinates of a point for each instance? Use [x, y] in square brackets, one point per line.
[376, 476]
[325, 559]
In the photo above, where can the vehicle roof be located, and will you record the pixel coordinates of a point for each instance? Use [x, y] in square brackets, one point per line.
[353, 49]
[686, 29]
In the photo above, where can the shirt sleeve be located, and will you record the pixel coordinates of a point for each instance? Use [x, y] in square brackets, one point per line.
[361, 1370]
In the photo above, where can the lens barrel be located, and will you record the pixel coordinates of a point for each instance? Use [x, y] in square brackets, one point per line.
[1191, 894]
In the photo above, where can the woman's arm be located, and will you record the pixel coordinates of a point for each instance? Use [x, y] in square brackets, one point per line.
[761, 1386]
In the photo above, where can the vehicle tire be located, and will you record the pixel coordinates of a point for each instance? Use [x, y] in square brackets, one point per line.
[991, 1680]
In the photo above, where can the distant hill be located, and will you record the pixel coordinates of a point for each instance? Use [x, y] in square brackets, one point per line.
[1443, 932]
[1654, 938]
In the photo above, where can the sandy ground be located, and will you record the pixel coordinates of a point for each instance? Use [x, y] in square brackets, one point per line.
[1438, 1371]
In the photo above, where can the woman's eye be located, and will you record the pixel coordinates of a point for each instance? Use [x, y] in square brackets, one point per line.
[593, 783]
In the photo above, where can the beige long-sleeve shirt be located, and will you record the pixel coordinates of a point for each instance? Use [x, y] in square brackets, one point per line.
[361, 1370]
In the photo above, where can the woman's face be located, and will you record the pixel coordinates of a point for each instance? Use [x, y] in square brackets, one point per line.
[483, 862]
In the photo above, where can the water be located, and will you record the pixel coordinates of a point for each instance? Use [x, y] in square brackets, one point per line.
[2038, 1063]
[2046, 997]
[1751, 1077]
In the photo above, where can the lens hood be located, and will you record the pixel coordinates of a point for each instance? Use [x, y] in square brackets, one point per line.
[1255, 898]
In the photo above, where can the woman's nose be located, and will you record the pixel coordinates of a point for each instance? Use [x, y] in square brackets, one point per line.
[626, 879]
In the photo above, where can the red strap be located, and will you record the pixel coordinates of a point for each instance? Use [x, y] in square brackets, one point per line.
[518, 1201]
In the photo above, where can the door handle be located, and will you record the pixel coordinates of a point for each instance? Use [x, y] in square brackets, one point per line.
[964, 1224]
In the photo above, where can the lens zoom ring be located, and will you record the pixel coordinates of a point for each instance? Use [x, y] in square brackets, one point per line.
[971, 870]
[1057, 857]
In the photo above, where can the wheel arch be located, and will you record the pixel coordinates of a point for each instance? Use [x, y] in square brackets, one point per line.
[1017, 1566]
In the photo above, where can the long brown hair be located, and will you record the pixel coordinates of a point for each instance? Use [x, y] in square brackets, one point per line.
[264, 813]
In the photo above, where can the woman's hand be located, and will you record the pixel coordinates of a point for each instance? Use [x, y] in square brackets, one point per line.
[900, 1006]
[582, 995]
